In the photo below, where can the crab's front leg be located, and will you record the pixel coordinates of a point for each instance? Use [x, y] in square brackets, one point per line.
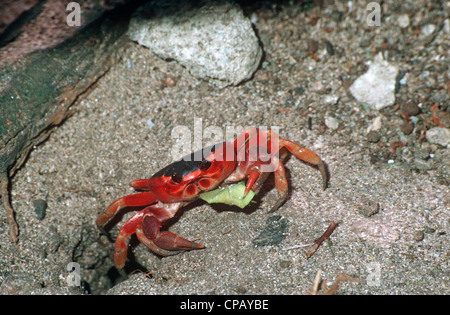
[132, 226]
[147, 226]
[135, 200]
[126, 230]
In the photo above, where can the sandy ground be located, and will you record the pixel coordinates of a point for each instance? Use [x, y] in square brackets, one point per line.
[122, 131]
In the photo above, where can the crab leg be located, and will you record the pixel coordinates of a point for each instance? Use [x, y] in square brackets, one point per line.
[136, 200]
[244, 137]
[278, 148]
[127, 229]
[281, 183]
[307, 156]
[299, 152]
[255, 179]
[140, 184]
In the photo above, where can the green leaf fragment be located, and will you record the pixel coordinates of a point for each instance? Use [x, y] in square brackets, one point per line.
[232, 195]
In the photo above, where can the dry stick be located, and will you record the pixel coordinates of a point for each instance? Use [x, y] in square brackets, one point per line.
[4, 193]
[341, 278]
[320, 240]
[317, 281]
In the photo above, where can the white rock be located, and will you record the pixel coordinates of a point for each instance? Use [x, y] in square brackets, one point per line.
[331, 123]
[439, 135]
[150, 123]
[428, 29]
[375, 125]
[446, 27]
[331, 99]
[376, 87]
[214, 41]
[403, 21]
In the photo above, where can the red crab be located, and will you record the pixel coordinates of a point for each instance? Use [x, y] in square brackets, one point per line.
[252, 156]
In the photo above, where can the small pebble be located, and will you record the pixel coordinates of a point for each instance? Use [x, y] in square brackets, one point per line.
[331, 123]
[376, 88]
[407, 128]
[40, 208]
[150, 123]
[241, 289]
[331, 99]
[285, 264]
[273, 233]
[411, 108]
[423, 153]
[403, 21]
[169, 81]
[429, 230]
[428, 29]
[368, 207]
[373, 136]
[299, 90]
[329, 47]
[421, 164]
[446, 27]
[418, 236]
[318, 87]
[374, 125]
[414, 119]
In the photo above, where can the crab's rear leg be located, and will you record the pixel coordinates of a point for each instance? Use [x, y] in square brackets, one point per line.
[281, 183]
[300, 152]
[306, 156]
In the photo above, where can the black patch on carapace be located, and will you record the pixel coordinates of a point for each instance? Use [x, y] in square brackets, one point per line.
[187, 164]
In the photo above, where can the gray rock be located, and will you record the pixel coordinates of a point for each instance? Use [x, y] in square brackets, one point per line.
[421, 164]
[273, 233]
[40, 208]
[373, 136]
[439, 135]
[214, 41]
[367, 207]
[376, 87]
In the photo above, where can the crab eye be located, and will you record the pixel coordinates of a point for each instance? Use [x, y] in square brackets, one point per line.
[204, 165]
[177, 178]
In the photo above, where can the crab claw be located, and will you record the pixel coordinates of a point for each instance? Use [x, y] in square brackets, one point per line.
[151, 226]
[250, 181]
[170, 241]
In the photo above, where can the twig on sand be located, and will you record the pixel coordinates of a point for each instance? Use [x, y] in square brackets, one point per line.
[320, 240]
[332, 290]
